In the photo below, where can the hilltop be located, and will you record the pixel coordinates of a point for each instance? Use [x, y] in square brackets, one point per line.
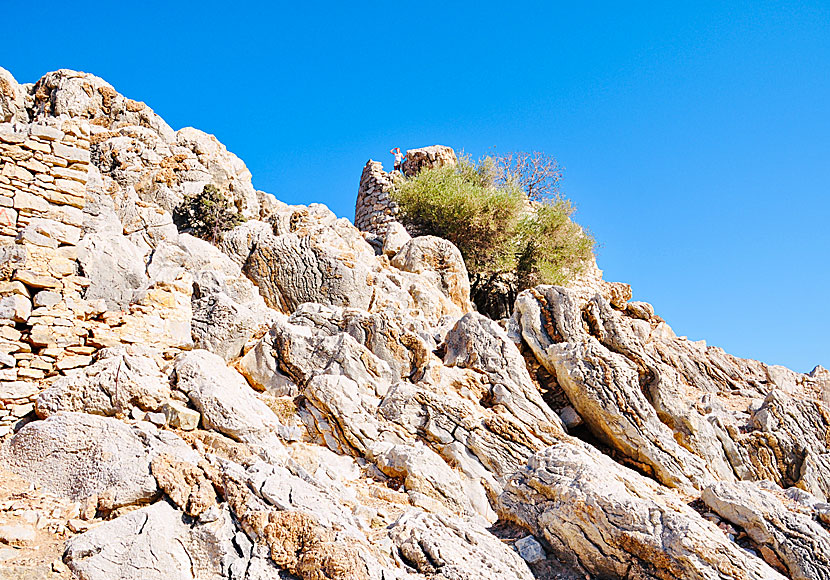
[306, 399]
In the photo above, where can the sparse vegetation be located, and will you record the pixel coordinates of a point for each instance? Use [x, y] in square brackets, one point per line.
[207, 214]
[507, 218]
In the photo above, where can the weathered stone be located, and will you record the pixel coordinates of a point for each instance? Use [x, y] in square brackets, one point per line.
[396, 238]
[154, 543]
[12, 99]
[603, 386]
[427, 158]
[113, 385]
[227, 403]
[185, 484]
[443, 547]
[17, 535]
[790, 532]
[437, 258]
[73, 362]
[115, 268]
[36, 280]
[605, 520]
[81, 456]
[179, 416]
[15, 307]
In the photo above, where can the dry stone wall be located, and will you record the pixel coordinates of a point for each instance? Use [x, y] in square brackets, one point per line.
[49, 325]
[44, 323]
[375, 208]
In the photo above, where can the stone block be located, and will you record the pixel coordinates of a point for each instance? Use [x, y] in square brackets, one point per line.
[73, 362]
[46, 298]
[27, 201]
[8, 217]
[72, 154]
[38, 146]
[45, 132]
[72, 174]
[14, 390]
[11, 137]
[180, 417]
[13, 171]
[36, 280]
[17, 535]
[15, 307]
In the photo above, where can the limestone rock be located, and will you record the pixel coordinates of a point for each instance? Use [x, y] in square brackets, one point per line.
[395, 239]
[82, 95]
[16, 308]
[438, 259]
[17, 535]
[118, 381]
[227, 403]
[81, 456]
[115, 267]
[155, 542]
[179, 416]
[478, 343]
[12, 103]
[606, 520]
[292, 269]
[444, 547]
[786, 441]
[603, 386]
[428, 158]
[800, 543]
[185, 484]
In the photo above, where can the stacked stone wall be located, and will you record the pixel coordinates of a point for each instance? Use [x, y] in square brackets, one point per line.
[375, 208]
[43, 175]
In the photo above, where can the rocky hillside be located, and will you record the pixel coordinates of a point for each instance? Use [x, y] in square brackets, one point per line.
[304, 400]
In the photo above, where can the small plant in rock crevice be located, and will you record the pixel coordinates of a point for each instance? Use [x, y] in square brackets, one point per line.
[207, 214]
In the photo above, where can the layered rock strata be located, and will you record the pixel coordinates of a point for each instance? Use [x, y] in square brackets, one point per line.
[310, 399]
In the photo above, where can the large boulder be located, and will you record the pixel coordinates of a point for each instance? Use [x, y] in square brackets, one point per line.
[115, 268]
[227, 404]
[292, 269]
[118, 381]
[603, 386]
[85, 96]
[608, 521]
[788, 535]
[82, 456]
[444, 547]
[12, 99]
[159, 542]
[438, 261]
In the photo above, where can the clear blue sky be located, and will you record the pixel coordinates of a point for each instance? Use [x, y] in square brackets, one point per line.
[695, 136]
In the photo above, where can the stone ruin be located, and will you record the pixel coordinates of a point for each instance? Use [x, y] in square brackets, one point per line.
[374, 208]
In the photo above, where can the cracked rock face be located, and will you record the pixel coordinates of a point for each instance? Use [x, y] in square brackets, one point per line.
[788, 536]
[308, 400]
[83, 456]
[611, 522]
[672, 408]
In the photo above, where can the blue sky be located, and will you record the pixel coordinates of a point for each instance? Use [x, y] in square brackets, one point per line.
[695, 136]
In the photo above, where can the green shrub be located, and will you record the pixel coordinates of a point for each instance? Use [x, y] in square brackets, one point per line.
[207, 214]
[508, 242]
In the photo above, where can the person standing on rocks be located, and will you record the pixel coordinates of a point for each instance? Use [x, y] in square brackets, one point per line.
[399, 159]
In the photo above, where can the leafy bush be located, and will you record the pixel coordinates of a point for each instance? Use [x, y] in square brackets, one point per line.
[508, 241]
[207, 214]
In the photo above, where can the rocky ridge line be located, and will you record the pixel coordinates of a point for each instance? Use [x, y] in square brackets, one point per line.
[309, 400]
